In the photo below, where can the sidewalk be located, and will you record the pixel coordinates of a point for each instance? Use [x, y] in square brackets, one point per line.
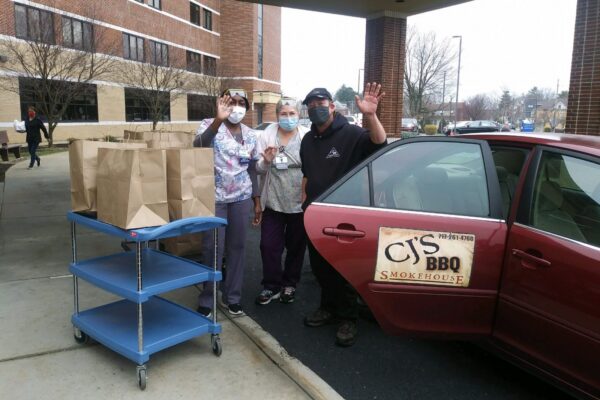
[39, 357]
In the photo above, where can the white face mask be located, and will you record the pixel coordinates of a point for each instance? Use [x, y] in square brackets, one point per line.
[237, 115]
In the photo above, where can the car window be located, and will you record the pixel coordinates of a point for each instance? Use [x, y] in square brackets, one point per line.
[566, 198]
[442, 177]
[353, 192]
[509, 164]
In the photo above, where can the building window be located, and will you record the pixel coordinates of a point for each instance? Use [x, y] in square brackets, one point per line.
[260, 41]
[34, 24]
[77, 34]
[194, 62]
[83, 107]
[195, 14]
[159, 53]
[133, 47]
[136, 105]
[207, 19]
[200, 107]
[154, 3]
[210, 66]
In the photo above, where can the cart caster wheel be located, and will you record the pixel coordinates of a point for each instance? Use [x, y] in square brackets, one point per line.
[216, 345]
[141, 378]
[80, 337]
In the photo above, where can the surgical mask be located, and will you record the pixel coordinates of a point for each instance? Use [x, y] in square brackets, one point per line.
[237, 114]
[318, 115]
[288, 124]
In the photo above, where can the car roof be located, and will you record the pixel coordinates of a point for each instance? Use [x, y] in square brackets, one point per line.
[582, 143]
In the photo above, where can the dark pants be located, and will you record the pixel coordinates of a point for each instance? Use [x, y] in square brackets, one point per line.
[232, 241]
[337, 295]
[278, 231]
[32, 148]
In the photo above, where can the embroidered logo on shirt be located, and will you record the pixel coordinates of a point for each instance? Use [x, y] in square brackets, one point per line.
[333, 153]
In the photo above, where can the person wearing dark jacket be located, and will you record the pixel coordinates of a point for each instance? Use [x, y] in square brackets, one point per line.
[33, 126]
[329, 151]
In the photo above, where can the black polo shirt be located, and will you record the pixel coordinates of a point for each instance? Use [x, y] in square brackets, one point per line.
[328, 156]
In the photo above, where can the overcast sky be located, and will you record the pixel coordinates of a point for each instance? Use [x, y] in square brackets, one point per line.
[507, 44]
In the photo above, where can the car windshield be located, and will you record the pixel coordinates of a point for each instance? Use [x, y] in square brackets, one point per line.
[263, 126]
[408, 121]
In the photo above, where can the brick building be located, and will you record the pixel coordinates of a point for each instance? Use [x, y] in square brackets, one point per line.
[238, 42]
[583, 115]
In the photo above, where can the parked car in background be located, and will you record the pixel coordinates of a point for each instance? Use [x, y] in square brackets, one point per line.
[493, 237]
[305, 122]
[463, 127]
[352, 120]
[264, 125]
[410, 125]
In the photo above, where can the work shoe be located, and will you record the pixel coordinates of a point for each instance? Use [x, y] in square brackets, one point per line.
[346, 334]
[266, 296]
[235, 309]
[319, 318]
[206, 311]
[287, 294]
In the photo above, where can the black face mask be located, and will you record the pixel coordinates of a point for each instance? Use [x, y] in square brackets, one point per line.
[318, 115]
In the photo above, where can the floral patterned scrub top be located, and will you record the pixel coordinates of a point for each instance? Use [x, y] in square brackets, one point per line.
[232, 181]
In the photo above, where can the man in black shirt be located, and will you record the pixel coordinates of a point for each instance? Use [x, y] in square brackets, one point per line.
[328, 151]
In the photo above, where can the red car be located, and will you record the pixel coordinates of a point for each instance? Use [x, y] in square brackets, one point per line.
[484, 236]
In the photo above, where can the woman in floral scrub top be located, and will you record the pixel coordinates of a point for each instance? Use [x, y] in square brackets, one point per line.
[236, 192]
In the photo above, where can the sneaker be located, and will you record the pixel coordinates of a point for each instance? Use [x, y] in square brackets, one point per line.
[235, 309]
[346, 334]
[206, 311]
[287, 294]
[266, 296]
[319, 318]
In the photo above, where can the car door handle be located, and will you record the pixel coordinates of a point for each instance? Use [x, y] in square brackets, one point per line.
[343, 232]
[527, 259]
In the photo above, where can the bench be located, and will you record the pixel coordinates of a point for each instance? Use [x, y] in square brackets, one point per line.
[5, 147]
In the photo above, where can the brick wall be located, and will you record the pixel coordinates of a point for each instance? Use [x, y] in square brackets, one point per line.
[583, 113]
[384, 63]
[131, 15]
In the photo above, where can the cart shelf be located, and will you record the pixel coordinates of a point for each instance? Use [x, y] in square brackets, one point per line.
[162, 272]
[166, 324]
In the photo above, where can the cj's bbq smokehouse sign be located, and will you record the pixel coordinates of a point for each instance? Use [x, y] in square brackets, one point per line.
[424, 257]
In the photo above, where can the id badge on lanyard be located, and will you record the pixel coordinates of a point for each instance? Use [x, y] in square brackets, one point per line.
[281, 161]
[244, 155]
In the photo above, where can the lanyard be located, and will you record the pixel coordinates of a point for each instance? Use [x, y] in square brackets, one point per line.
[233, 136]
[280, 148]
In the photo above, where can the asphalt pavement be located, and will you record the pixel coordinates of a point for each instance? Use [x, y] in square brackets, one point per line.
[379, 366]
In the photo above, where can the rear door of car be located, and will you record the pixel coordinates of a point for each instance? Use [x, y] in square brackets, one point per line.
[548, 304]
[418, 231]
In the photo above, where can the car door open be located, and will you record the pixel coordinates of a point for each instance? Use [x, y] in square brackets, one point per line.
[417, 230]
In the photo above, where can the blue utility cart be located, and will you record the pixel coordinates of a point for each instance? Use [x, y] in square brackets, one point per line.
[143, 323]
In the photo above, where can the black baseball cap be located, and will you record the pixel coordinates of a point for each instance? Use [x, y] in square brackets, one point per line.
[319, 93]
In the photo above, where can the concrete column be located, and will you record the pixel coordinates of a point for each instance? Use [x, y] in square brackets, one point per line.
[384, 63]
[583, 112]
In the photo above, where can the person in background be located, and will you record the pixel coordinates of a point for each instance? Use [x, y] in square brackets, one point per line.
[33, 126]
[331, 149]
[282, 224]
[236, 192]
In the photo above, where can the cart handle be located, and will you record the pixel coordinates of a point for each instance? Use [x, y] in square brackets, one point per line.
[176, 228]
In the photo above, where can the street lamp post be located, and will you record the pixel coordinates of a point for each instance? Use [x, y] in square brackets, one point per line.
[457, 79]
[358, 83]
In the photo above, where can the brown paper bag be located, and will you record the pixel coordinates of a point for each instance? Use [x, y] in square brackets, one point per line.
[83, 165]
[190, 183]
[132, 188]
[161, 139]
[185, 245]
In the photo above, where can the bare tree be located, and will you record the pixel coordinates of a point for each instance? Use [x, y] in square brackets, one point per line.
[54, 67]
[427, 59]
[477, 107]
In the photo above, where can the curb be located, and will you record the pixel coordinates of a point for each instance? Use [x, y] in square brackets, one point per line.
[304, 377]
